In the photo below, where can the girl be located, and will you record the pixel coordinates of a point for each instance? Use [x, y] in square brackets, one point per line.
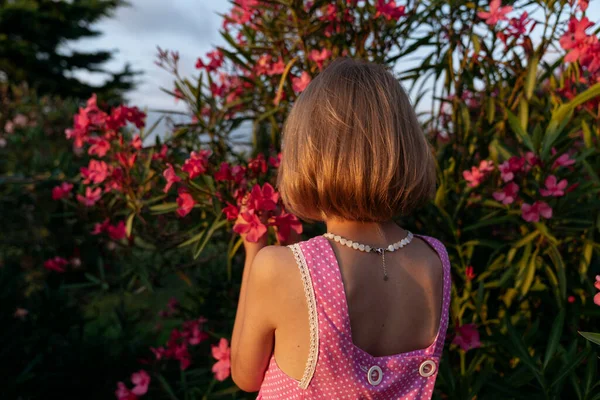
[360, 312]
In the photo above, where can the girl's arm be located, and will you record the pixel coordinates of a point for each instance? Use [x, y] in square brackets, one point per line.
[257, 312]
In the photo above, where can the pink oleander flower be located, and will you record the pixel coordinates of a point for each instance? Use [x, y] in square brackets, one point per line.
[197, 164]
[258, 165]
[597, 286]
[91, 196]
[21, 313]
[319, 56]
[56, 264]
[532, 213]
[469, 274]
[554, 188]
[563, 161]
[141, 380]
[123, 393]
[299, 84]
[216, 61]
[231, 212]
[224, 173]
[508, 168]
[389, 10]
[221, 353]
[495, 14]
[118, 231]
[171, 177]
[508, 194]
[275, 162]
[575, 40]
[61, 191]
[251, 226]
[263, 199]
[99, 147]
[476, 175]
[96, 172]
[467, 337]
[185, 203]
[583, 4]
[136, 143]
[473, 177]
[486, 166]
[101, 227]
[285, 224]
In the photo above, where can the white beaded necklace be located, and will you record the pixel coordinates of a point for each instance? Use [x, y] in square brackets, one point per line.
[370, 249]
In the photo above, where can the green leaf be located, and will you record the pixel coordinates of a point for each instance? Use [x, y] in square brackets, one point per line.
[587, 135]
[530, 81]
[164, 208]
[523, 136]
[166, 387]
[193, 239]
[591, 336]
[520, 350]
[568, 367]
[554, 338]
[129, 224]
[529, 274]
[562, 115]
[528, 238]
[560, 270]
[215, 225]
[491, 221]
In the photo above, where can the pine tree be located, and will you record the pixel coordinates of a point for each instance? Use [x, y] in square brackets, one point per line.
[33, 38]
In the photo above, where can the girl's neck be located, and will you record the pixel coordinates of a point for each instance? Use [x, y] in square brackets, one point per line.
[380, 234]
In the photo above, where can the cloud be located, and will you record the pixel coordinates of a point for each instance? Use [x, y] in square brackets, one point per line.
[157, 17]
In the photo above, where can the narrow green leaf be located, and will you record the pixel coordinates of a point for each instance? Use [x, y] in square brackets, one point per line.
[529, 274]
[554, 338]
[523, 136]
[215, 225]
[193, 239]
[164, 208]
[591, 336]
[165, 385]
[521, 350]
[129, 224]
[587, 135]
[568, 367]
[560, 270]
[527, 239]
[530, 81]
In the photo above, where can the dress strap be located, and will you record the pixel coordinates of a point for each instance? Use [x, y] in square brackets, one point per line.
[313, 318]
[442, 253]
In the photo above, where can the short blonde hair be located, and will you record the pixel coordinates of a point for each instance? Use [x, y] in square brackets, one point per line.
[353, 148]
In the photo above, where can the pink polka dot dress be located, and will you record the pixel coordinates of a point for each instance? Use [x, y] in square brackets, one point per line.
[336, 368]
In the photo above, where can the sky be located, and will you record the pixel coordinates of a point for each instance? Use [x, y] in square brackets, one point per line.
[188, 26]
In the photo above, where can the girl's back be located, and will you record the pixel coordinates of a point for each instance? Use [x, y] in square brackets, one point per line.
[361, 322]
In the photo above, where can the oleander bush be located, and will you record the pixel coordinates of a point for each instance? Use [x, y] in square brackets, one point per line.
[132, 246]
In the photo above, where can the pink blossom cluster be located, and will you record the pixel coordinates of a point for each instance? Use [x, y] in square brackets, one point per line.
[100, 131]
[177, 347]
[520, 165]
[116, 231]
[582, 46]
[141, 381]
[256, 208]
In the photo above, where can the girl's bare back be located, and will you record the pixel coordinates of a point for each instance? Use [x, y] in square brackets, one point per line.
[387, 317]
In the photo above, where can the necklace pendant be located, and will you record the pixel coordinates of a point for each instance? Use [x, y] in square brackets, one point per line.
[385, 278]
